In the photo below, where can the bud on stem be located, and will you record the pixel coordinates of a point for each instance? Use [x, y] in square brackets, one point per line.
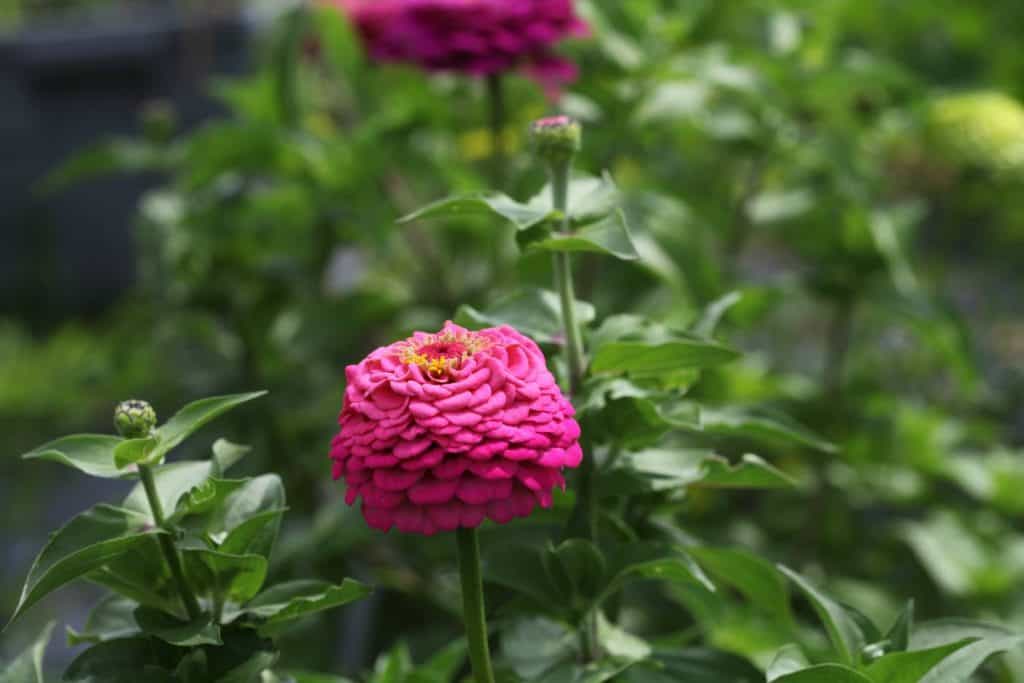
[134, 419]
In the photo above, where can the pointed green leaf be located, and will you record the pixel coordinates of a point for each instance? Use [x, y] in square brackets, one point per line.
[113, 617]
[843, 631]
[937, 632]
[910, 667]
[789, 659]
[750, 473]
[193, 416]
[132, 451]
[281, 605]
[609, 236]
[756, 578]
[126, 660]
[522, 216]
[534, 312]
[87, 542]
[173, 481]
[898, 636]
[28, 666]
[226, 454]
[198, 631]
[642, 358]
[657, 561]
[590, 199]
[825, 673]
[959, 666]
[92, 454]
[236, 577]
[693, 665]
[760, 424]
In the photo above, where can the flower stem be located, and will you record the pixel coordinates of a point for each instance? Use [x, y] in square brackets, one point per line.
[586, 496]
[170, 553]
[473, 604]
[496, 104]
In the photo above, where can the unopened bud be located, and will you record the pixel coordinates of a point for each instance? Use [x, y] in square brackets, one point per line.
[556, 138]
[134, 419]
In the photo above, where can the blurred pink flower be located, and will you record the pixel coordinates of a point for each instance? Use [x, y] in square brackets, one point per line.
[441, 431]
[479, 37]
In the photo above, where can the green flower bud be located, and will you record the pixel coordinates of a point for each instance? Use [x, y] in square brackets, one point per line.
[556, 138]
[134, 419]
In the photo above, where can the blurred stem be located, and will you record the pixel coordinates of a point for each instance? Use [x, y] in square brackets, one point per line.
[167, 544]
[473, 604]
[496, 105]
[586, 510]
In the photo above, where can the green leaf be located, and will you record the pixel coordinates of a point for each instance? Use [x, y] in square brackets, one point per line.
[760, 424]
[652, 561]
[898, 636]
[226, 454]
[142, 575]
[937, 632]
[789, 659]
[590, 198]
[205, 496]
[92, 454]
[619, 644]
[521, 568]
[668, 469]
[236, 577]
[338, 41]
[910, 667]
[522, 216]
[959, 666]
[113, 617]
[640, 358]
[281, 605]
[609, 236]
[750, 473]
[87, 542]
[112, 156]
[620, 411]
[443, 665]
[714, 312]
[198, 631]
[173, 481]
[132, 451]
[577, 567]
[595, 672]
[248, 671]
[535, 645]
[255, 535]
[193, 416]
[126, 660]
[293, 676]
[756, 578]
[534, 312]
[693, 665]
[824, 673]
[843, 631]
[28, 666]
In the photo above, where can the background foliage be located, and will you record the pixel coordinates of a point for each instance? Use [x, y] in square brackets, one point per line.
[831, 187]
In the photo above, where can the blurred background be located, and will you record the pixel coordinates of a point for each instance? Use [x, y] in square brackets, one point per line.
[199, 198]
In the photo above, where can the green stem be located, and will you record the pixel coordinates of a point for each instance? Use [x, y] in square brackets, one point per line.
[167, 545]
[473, 605]
[496, 104]
[574, 357]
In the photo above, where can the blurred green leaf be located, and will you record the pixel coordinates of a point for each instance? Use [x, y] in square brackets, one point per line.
[609, 236]
[693, 665]
[787, 660]
[961, 664]
[280, 605]
[235, 577]
[756, 578]
[534, 312]
[760, 425]
[199, 631]
[125, 660]
[28, 666]
[843, 631]
[113, 617]
[522, 216]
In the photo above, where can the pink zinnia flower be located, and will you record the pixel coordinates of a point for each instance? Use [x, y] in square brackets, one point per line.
[479, 37]
[443, 430]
